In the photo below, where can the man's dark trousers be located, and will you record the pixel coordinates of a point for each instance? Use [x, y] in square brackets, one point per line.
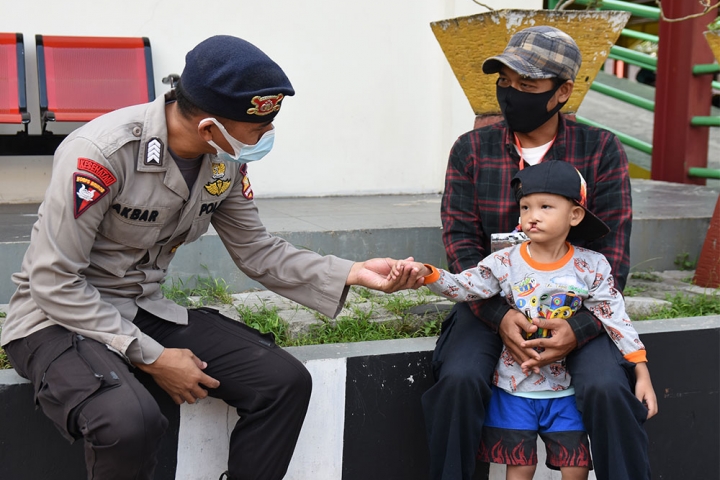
[454, 407]
[91, 393]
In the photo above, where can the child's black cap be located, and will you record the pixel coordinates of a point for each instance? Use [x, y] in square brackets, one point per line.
[561, 178]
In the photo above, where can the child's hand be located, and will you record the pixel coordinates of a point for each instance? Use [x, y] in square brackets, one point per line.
[402, 267]
[644, 389]
[376, 273]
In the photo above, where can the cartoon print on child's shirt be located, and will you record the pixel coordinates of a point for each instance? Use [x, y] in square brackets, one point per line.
[559, 305]
[525, 286]
[602, 310]
[582, 265]
[504, 259]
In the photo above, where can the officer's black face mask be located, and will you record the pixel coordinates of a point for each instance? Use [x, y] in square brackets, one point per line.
[523, 111]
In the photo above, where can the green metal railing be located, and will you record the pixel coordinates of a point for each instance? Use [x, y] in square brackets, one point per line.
[649, 62]
[619, 94]
[703, 172]
[643, 11]
[623, 137]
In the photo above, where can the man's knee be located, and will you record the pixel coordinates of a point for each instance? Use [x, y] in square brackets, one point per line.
[606, 392]
[122, 418]
[464, 382]
[298, 380]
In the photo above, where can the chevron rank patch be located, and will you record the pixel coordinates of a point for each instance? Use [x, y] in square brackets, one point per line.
[88, 190]
[96, 169]
[154, 152]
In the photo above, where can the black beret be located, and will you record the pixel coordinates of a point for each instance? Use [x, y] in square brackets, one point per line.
[231, 78]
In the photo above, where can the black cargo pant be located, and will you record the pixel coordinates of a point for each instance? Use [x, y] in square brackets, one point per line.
[90, 392]
[454, 407]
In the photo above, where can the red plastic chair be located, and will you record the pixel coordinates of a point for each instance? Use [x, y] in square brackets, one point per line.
[13, 99]
[81, 78]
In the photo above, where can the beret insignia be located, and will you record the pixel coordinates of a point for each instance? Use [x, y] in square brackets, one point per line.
[265, 105]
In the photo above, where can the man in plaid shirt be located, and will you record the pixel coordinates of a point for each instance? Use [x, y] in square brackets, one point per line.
[536, 74]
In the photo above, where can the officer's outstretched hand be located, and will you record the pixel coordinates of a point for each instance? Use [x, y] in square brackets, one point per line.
[180, 373]
[376, 274]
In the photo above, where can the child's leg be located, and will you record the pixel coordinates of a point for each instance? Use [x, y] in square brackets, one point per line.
[525, 472]
[566, 442]
[574, 473]
[509, 436]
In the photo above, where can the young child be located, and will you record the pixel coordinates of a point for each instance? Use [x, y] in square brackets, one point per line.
[545, 277]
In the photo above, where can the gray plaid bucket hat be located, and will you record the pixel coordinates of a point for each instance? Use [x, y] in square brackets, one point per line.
[539, 52]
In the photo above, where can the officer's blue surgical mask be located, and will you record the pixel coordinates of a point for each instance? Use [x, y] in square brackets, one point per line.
[242, 153]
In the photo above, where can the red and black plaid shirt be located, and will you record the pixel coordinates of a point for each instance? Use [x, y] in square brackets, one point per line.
[478, 202]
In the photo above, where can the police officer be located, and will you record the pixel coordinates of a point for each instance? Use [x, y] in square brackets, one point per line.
[127, 190]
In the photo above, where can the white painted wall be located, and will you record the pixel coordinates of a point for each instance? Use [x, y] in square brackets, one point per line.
[377, 107]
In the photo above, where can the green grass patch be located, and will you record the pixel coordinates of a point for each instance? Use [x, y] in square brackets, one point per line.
[208, 289]
[4, 364]
[399, 303]
[647, 276]
[266, 320]
[355, 327]
[687, 306]
[632, 291]
[684, 262]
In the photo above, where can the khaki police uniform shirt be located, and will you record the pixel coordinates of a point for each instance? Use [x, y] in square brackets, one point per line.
[115, 213]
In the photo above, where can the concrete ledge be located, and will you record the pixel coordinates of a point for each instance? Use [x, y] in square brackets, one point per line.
[365, 420]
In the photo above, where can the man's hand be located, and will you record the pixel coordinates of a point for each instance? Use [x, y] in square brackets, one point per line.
[513, 328]
[555, 347]
[644, 390]
[375, 274]
[180, 373]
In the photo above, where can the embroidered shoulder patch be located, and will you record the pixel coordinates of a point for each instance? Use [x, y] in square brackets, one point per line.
[96, 169]
[265, 105]
[217, 187]
[88, 190]
[246, 188]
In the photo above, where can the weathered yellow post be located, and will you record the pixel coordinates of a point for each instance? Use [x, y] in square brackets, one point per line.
[467, 41]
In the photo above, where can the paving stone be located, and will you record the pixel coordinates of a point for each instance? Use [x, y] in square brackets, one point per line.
[299, 321]
[643, 306]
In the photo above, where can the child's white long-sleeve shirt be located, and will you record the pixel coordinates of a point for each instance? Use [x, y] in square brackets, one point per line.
[555, 290]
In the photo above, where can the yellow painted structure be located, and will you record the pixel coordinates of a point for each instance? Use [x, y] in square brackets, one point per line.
[637, 171]
[713, 39]
[468, 41]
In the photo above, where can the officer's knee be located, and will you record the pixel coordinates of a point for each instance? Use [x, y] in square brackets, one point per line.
[127, 422]
[294, 380]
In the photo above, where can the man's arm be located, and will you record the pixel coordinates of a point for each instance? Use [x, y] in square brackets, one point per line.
[74, 206]
[610, 199]
[463, 235]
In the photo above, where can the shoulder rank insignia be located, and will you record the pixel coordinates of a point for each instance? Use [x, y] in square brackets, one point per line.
[217, 187]
[88, 190]
[154, 150]
[96, 169]
[265, 105]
